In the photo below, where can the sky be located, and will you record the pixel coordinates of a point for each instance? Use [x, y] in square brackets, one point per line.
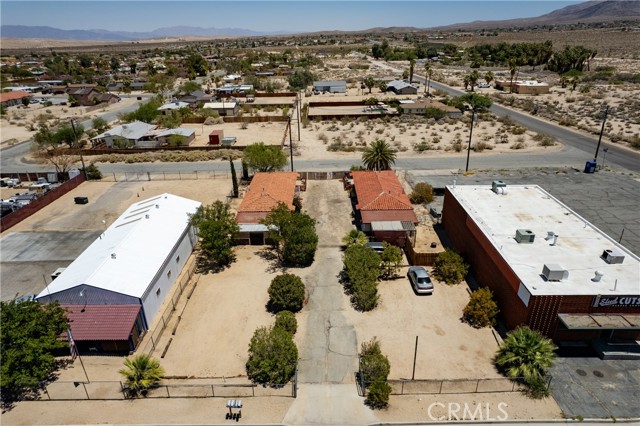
[265, 16]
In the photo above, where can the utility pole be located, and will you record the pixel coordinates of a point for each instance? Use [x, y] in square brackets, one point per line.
[290, 143]
[606, 111]
[75, 140]
[473, 117]
[298, 104]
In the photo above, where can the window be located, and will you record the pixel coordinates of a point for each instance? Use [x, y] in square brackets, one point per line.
[177, 259]
[158, 292]
[169, 274]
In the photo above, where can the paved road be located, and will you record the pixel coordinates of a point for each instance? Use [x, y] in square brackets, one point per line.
[616, 155]
[329, 349]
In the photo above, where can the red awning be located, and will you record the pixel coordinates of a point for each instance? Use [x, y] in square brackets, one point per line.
[102, 322]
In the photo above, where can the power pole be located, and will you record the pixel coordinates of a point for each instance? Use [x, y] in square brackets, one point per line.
[606, 111]
[473, 116]
[290, 144]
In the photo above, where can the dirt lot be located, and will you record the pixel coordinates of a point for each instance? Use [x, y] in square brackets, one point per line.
[270, 133]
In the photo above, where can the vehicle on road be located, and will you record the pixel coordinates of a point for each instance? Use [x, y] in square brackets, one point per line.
[420, 281]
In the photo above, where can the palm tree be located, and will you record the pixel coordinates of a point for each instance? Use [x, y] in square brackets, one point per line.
[513, 67]
[412, 64]
[141, 373]
[526, 354]
[369, 82]
[355, 237]
[378, 156]
[467, 80]
[488, 77]
[428, 71]
[474, 76]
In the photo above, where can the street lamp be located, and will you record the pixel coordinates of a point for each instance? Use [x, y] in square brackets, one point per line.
[473, 118]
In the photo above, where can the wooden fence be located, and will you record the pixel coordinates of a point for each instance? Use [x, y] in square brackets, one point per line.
[24, 212]
[417, 258]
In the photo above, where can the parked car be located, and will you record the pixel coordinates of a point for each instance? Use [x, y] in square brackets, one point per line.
[420, 281]
[483, 85]
[376, 246]
[11, 183]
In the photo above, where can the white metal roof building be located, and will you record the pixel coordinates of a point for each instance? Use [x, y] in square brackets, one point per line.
[548, 267]
[338, 86]
[136, 260]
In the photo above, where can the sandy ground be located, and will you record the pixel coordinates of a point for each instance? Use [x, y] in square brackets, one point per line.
[270, 133]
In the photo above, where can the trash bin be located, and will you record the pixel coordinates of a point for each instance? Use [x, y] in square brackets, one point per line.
[590, 167]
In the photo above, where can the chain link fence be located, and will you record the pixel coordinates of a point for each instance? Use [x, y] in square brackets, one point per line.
[159, 176]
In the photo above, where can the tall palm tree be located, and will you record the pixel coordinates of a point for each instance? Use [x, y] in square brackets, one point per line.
[412, 64]
[429, 72]
[525, 354]
[141, 373]
[513, 67]
[378, 156]
[488, 77]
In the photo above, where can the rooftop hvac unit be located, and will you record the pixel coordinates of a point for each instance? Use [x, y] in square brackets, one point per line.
[525, 236]
[612, 256]
[499, 187]
[554, 272]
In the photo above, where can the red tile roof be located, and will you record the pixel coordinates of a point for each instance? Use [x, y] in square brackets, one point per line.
[102, 322]
[16, 94]
[382, 192]
[267, 190]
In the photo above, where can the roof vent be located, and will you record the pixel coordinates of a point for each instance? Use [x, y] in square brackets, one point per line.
[597, 277]
[499, 187]
[146, 216]
[553, 272]
[113, 255]
[551, 235]
[525, 236]
[612, 256]
[157, 206]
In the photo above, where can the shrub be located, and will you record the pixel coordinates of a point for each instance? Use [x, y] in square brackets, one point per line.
[286, 293]
[481, 310]
[354, 237]
[422, 193]
[286, 320]
[391, 258]
[361, 272]
[378, 396]
[435, 113]
[93, 173]
[450, 267]
[273, 356]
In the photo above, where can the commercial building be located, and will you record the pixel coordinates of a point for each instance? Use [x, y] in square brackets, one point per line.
[330, 86]
[526, 87]
[264, 194]
[382, 208]
[548, 267]
[118, 284]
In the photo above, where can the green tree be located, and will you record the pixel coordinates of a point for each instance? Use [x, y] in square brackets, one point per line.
[527, 354]
[141, 373]
[234, 178]
[370, 82]
[378, 156]
[264, 158]
[114, 63]
[489, 77]
[378, 395]
[361, 271]
[422, 193]
[25, 101]
[354, 237]
[390, 258]
[300, 79]
[286, 293]
[512, 63]
[474, 76]
[286, 320]
[450, 267]
[188, 87]
[30, 336]
[146, 112]
[428, 70]
[216, 225]
[99, 124]
[93, 173]
[197, 65]
[476, 101]
[294, 235]
[481, 311]
[374, 371]
[273, 357]
[412, 65]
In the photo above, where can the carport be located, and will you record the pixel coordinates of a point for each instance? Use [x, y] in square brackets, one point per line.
[254, 234]
[394, 232]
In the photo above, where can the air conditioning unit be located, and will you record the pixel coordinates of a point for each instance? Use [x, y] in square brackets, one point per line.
[612, 256]
[525, 236]
[499, 187]
[553, 272]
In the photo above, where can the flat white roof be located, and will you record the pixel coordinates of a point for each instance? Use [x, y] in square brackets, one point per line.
[578, 249]
[140, 244]
[220, 105]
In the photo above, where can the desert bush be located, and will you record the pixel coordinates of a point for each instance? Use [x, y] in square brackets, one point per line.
[518, 145]
[422, 193]
[517, 130]
[544, 140]
[481, 311]
[93, 173]
[457, 145]
[450, 267]
[361, 271]
[273, 356]
[286, 320]
[286, 293]
[422, 146]
[375, 368]
[481, 146]
[378, 396]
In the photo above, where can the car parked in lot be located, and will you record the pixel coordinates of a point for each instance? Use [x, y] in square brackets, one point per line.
[420, 281]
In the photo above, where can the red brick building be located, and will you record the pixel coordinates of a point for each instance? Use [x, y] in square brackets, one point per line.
[548, 267]
[381, 206]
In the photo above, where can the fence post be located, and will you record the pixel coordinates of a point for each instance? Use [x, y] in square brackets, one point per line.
[179, 175]
[149, 176]
[47, 392]
[477, 384]
[85, 390]
[441, 382]
[167, 388]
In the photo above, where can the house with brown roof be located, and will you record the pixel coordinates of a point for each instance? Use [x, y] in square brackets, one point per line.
[13, 98]
[382, 208]
[264, 193]
[84, 96]
[420, 107]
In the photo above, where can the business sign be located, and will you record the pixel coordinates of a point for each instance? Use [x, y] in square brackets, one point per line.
[616, 302]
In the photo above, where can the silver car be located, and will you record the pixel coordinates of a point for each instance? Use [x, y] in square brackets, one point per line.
[420, 281]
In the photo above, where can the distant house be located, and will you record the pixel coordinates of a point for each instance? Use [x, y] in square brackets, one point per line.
[164, 136]
[142, 135]
[230, 89]
[263, 195]
[526, 87]
[172, 106]
[420, 107]
[84, 96]
[381, 206]
[13, 98]
[108, 98]
[330, 86]
[400, 87]
[228, 108]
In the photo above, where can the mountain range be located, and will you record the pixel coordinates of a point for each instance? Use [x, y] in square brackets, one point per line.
[587, 12]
